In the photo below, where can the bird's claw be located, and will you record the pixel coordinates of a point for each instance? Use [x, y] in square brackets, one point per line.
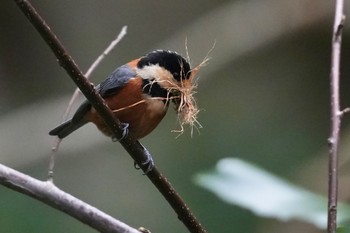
[125, 129]
[148, 164]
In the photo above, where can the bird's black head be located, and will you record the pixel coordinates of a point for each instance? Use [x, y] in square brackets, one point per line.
[171, 61]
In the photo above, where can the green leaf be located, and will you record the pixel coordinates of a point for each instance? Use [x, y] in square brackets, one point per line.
[239, 183]
[343, 229]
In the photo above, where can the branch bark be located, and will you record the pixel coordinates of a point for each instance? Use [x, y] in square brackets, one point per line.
[336, 115]
[57, 141]
[48, 193]
[132, 146]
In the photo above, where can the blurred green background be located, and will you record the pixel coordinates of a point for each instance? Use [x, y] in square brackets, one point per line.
[264, 98]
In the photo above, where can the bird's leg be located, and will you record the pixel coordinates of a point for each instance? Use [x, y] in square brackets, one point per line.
[147, 163]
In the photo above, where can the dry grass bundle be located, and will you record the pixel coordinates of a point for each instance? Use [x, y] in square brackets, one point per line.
[185, 104]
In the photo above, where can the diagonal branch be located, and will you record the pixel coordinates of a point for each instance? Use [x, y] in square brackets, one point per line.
[336, 115]
[48, 193]
[132, 146]
[57, 141]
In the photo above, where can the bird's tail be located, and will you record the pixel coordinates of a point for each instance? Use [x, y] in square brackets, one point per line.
[66, 128]
[78, 120]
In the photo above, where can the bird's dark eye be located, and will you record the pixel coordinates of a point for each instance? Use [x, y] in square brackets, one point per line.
[175, 74]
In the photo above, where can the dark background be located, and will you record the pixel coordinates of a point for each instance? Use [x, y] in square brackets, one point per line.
[264, 98]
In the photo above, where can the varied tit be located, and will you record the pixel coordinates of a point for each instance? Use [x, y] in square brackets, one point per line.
[139, 93]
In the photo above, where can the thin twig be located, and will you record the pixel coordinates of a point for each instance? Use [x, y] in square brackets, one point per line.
[93, 67]
[48, 193]
[344, 111]
[132, 146]
[57, 141]
[336, 114]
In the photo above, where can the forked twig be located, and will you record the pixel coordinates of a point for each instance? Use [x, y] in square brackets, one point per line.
[94, 65]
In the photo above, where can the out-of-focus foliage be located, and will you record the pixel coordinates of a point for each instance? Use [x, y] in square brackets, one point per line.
[266, 195]
[264, 97]
[343, 230]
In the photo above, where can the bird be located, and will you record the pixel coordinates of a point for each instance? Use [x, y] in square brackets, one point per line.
[139, 93]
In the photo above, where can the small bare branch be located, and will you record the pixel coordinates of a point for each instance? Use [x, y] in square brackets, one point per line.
[336, 114]
[93, 67]
[57, 141]
[48, 193]
[345, 111]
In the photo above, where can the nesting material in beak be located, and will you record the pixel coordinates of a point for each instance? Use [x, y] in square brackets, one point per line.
[185, 102]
